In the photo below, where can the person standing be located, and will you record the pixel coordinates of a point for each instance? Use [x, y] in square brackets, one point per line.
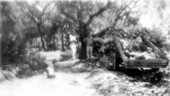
[89, 46]
[73, 46]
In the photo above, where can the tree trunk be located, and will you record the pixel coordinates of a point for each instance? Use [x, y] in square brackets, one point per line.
[1, 31]
[62, 41]
[67, 43]
[82, 52]
[119, 49]
[0, 55]
[44, 45]
[83, 34]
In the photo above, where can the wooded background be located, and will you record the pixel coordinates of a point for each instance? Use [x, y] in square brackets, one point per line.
[46, 25]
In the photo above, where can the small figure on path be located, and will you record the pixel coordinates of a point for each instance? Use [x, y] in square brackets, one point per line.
[89, 46]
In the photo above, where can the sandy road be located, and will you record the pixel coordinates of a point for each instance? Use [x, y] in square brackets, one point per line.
[65, 84]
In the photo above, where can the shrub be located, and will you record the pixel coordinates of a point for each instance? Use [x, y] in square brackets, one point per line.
[12, 39]
[6, 75]
[11, 51]
[35, 59]
[103, 47]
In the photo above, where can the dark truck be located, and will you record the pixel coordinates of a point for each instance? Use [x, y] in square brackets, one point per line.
[160, 62]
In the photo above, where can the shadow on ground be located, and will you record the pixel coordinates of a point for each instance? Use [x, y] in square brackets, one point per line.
[29, 73]
[153, 77]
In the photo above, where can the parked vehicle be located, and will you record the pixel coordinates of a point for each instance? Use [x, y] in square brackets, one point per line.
[138, 62]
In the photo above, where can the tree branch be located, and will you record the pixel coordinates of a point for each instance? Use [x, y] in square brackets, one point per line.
[122, 32]
[100, 11]
[26, 10]
[32, 18]
[108, 28]
[103, 32]
[95, 14]
[68, 15]
[45, 8]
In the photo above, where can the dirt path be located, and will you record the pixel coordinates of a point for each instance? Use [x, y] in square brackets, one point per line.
[65, 84]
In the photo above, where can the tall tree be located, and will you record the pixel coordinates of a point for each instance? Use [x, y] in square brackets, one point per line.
[1, 30]
[7, 31]
[82, 13]
[37, 16]
[120, 18]
[12, 44]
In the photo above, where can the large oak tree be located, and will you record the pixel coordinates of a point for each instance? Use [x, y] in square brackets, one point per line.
[84, 13]
[36, 16]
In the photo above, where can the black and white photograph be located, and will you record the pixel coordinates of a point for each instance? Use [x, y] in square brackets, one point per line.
[84, 47]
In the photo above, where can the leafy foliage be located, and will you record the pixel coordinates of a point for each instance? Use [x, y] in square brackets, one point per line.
[103, 46]
[13, 43]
